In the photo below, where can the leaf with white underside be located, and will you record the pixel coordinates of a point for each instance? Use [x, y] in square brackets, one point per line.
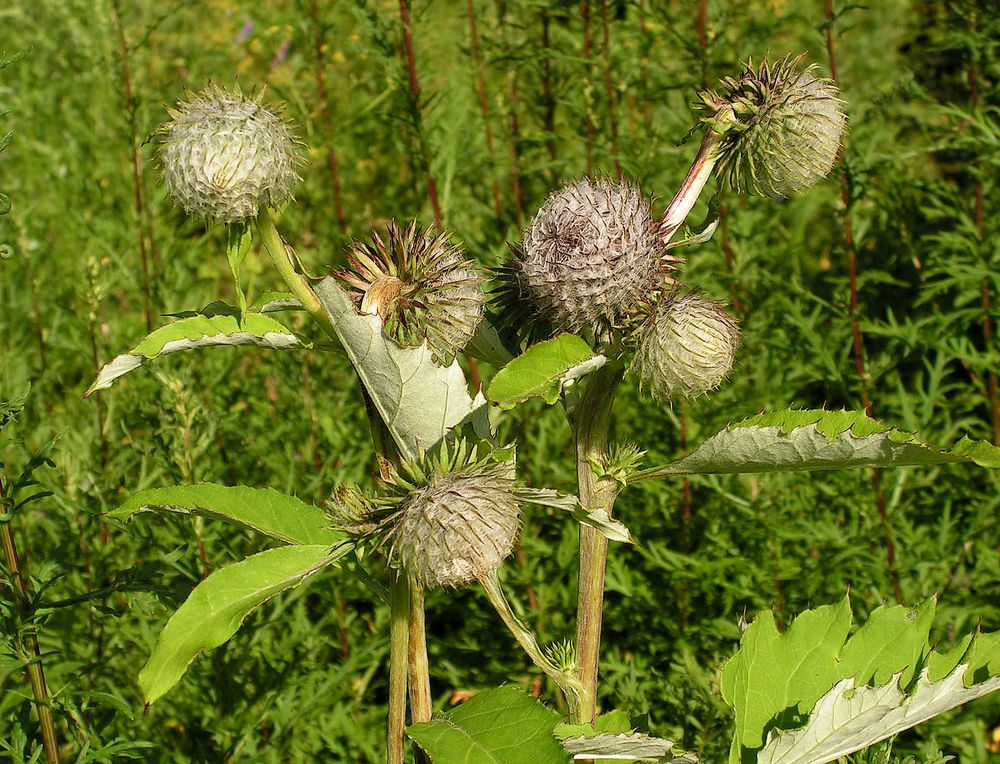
[198, 331]
[599, 519]
[282, 517]
[811, 694]
[543, 370]
[780, 441]
[850, 718]
[217, 607]
[626, 747]
[418, 400]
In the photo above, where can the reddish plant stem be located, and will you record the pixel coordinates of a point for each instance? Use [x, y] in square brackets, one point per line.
[610, 89]
[588, 106]
[548, 95]
[324, 113]
[33, 667]
[985, 297]
[411, 65]
[856, 337]
[141, 213]
[484, 108]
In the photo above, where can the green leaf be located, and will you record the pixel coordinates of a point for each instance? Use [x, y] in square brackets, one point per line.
[282, 517]
[274, 302]
[419, 401]
[626, 747]
[811, 695]
[598, 519]
[542, 370]
[501, 725]
[196, 332]
[816, 440]
[486, 345]
[240, 236]
[217, 607]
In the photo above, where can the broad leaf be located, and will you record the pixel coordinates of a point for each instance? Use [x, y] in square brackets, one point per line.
[278, 515]
[816, 440]
[197, 332]
[418, 400]
[501, 725]
[217, 607]
[543, 370]
[812, 695]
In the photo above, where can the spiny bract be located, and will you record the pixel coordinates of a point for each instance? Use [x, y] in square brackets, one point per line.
[421, 286]
[589, 257]
[686, 347]
[458, 528]
[225, 156]
[782, 127]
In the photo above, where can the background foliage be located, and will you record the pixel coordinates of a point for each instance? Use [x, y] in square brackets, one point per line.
[565, 89]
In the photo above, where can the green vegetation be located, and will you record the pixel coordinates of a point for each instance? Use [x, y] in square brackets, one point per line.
[874, 290]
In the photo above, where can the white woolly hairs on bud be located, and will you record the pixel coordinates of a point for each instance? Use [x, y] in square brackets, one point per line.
[225, 156]
[590, 254]
[686, 348]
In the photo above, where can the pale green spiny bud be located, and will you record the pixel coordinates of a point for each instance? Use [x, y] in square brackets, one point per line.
[225, 156]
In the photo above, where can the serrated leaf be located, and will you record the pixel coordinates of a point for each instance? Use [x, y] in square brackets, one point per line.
[776, 681]
[625, 747]
[274, 302]
[598, 519]
[278, 515]
[418, 400]
[543, 370]
[197, 332]
[849, 718]
[217, 607]
[501, 725]
[816, 440]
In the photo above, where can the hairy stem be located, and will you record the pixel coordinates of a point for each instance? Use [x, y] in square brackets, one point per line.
[692, 186]
[591, 421]
[572, 688]
[399, 641]
[33, 666]
[419, 675]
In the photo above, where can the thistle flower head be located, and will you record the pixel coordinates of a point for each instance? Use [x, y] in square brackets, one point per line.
[447, 522]
[588, 258]
[421, 286]
[225, 156]
[781, 125]
[686, 347]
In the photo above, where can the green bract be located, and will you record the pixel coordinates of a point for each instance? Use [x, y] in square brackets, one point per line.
[225, 156]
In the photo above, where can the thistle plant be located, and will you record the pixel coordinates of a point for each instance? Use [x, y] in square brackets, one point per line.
[593, 294]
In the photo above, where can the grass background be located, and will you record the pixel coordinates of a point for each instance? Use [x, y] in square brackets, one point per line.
[567, 89]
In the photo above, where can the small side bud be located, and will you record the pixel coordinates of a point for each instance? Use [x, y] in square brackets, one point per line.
[686, 347]
[782, 127]
[225, 156]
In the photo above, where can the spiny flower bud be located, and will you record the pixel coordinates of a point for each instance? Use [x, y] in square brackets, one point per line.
[589, 256]
[781, 126]
[686, 347]
[225, 156]
[420, 285]
[458, 528]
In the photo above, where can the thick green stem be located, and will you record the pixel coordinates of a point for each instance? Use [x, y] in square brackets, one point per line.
[399, 641]
[570, 685]
[591, 420]
[275, 248]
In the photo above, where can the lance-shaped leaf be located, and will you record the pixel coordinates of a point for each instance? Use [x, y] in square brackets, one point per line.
[813, 695]
[418, 400]
[196, 332]
[217, 607]
[497, 725]
[543, 370]
[816, 440]
[598, 519]
[278, 515]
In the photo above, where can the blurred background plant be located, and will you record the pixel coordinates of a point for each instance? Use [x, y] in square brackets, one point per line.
[876, 289]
